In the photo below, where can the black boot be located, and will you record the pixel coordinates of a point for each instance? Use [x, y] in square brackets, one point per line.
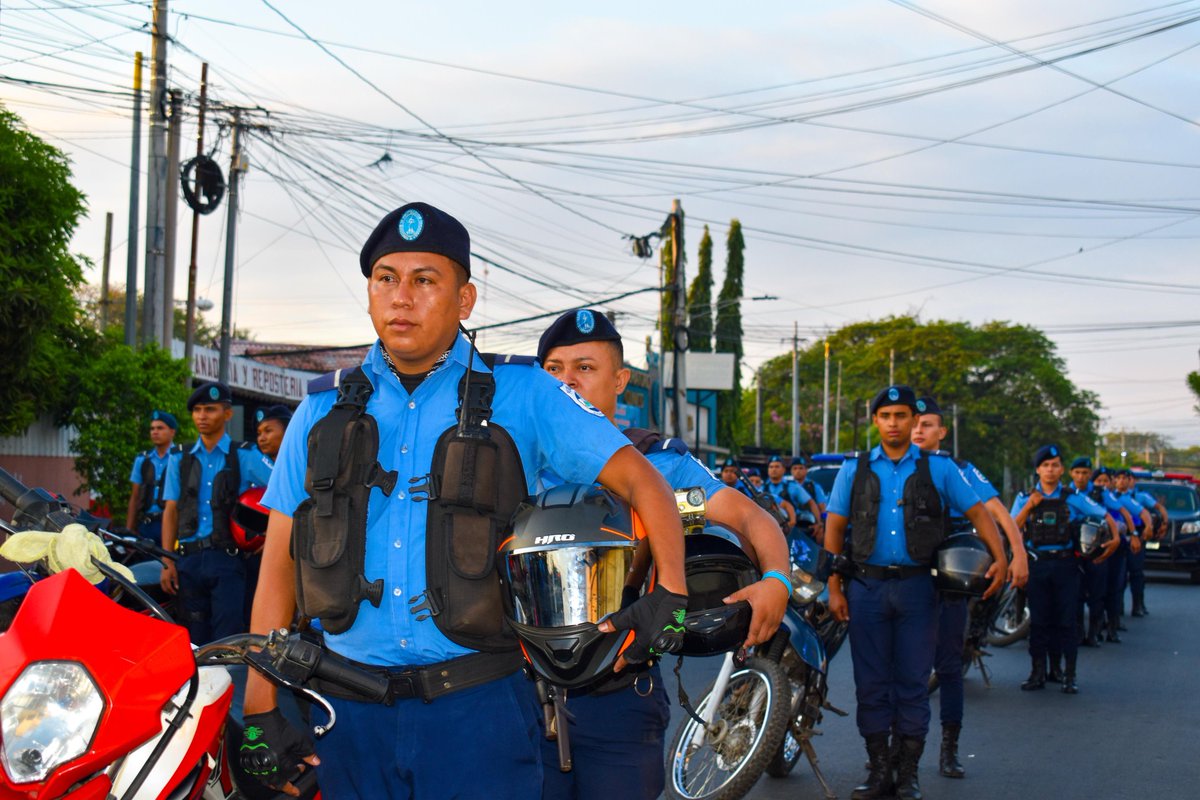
[1139, 604]
[908, 787]
[948, 763]
[1113, 626]
[879, 777]
[1092, 639]
[1055, 675]
[1037, 676]
[1068, 682]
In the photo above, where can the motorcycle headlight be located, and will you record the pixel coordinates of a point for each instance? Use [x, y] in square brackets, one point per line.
[1189, 528]
[805, 587]
[48, 717]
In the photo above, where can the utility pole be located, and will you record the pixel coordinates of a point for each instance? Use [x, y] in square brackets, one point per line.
[837, 414]
[104, 271]
[156, 177]
[892, 367]
[1123, 451]
[954, 409]
[235, 167]
[171, 190]
[131, 244]
[825, 405]
[190, 338]
[795, 389]
[758, 407]
[680, 343]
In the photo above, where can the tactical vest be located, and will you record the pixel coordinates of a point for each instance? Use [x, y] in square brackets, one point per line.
[151, 492]
[811, 488]
[1049, 525]
[224, 496]
[475, 483]
[926, 524]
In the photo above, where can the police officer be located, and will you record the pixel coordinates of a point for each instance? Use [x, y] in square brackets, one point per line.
[400, 598]
[1114, 588]
[799, 471]
[731, 476]
[148, 475]
[271, 422]
[202, 485]
[928, 434]
[618, 729]
[1045, 514]
[1094, 584]
[1145, 530]
[897, 499]
[792, 493]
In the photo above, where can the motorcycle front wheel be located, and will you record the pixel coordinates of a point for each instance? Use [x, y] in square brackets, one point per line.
[808, 697]
[747, 731]
[1011, 623]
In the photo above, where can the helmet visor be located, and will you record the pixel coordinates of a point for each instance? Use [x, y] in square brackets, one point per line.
[567, 586]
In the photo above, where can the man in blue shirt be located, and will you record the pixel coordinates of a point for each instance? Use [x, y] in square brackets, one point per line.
[783, 489]
[202, 486]
[1114, 589]
[1094, 585]
[928, 434]
[891, 601]
[1045, 515]
[148, 475]
[414, 519]
[799, 470]
[617, 731]
[1136, 564]
[270, 424]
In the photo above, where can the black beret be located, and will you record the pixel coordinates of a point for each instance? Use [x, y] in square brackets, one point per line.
[898, 395]
[210, 392]
[1100, 471]
[753, 472]
[1082, 461]
[729, 462]
[774, 459]
[165, 417]
[1045, 453]
[417, 228]
[927, 405]
[575, 327]
[281, 413]
[1126, 471]
[800, 461]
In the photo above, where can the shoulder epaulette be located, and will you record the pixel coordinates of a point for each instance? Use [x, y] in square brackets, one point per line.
[945, 453]
[175, 448]
[673, 444]
[507, 359]
[326, 382]
[246, 445]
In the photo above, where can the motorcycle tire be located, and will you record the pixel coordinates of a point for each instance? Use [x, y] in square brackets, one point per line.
[1011, 623]
[747, 731]
[808, 697]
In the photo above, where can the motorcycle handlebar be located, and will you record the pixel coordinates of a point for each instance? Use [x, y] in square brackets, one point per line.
[328, 667]
[11, 489]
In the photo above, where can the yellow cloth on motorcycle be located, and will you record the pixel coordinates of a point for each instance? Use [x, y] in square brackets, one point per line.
[72, 548]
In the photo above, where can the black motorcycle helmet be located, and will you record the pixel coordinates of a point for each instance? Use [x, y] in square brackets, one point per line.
[715, 567]
[1093, 535]
[565, 564]
[961, 564]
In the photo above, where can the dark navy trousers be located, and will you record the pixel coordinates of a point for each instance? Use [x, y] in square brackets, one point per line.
[212, 595]
[1093, 589]
[893, 636]
[1136, 565]
[1053, 594]
[948, 660]
[1115, 589]
[477, 743]
[617, 745]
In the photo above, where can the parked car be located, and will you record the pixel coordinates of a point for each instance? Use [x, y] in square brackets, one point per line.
[824, 469]
[1180, 549]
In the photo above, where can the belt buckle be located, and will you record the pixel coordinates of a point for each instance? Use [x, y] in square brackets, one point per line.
[402, 687]
[893, 572]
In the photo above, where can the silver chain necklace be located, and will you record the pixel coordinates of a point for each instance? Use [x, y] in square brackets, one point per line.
[387, 359]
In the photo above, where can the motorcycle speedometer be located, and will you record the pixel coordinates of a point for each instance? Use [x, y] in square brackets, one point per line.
[47, 718]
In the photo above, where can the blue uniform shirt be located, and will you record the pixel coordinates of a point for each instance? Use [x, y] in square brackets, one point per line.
[979, 484]
[818, 492]
[1145, 499]
[267, 462]
[1132, 505]
[891, 546]
[681, 469]
[254, 472]
[160, 464]
[1110, 502]
[791, 491]
[552, 427]
[1078, 506]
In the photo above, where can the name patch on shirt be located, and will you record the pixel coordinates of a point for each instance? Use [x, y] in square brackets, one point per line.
[579, 401]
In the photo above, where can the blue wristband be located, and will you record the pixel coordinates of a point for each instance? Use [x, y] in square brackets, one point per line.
[779, 576]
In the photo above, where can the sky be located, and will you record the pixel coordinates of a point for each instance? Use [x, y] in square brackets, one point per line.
[1024, 161]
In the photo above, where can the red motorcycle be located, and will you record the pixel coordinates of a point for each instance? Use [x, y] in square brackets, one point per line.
[100, 701]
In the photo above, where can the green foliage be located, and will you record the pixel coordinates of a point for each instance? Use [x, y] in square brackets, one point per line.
[729, 334]
[699, 299]
[1193, 382]
[1008, 382]
[208, 334]
[666, 319]
[117, 392]
[41, 338]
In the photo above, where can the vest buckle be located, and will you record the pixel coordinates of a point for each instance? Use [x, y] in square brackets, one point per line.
[424, 487]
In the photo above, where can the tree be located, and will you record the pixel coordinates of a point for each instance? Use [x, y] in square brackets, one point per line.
[666, 319]
[208, 334]
[41, 338]
[1193, 381]
[729, 333]
[699, 299]
[1007, 380]
[118, 390]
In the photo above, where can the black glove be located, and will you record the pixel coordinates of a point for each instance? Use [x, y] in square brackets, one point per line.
[272, 750]
[657, 622]
[630, 595]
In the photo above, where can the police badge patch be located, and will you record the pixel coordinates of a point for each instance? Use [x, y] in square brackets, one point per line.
[579, 401]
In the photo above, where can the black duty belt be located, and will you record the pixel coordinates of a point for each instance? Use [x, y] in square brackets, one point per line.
[199, 546]
[432, 681]
[1051, 555]
[895, 572]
